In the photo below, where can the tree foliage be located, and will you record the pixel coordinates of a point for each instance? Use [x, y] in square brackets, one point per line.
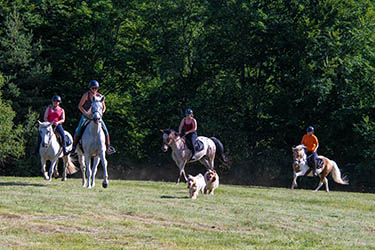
[256, 73]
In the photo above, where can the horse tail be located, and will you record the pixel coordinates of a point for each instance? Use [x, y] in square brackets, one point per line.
[336, 175]
[220, 151]
[70, 167]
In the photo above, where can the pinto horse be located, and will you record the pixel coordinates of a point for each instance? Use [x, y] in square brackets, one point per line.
[181, 154]
[301, 168]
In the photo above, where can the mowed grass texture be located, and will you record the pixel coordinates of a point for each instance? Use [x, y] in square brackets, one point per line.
[36, 214]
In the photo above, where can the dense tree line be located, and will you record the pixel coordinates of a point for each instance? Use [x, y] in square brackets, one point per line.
[256, 73]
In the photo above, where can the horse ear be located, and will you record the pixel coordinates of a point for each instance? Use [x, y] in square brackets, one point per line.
[161, 130]
[103, 98]
[39, 122]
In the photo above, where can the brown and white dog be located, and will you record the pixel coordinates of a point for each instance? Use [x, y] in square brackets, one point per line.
[212, 181]
[195, 184]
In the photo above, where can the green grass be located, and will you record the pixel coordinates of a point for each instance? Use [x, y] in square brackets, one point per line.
[35, 214]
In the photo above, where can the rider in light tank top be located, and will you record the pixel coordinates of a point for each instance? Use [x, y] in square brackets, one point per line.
[189, 124]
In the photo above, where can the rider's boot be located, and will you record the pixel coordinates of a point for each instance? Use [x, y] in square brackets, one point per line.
[314, 169]
[75, 142]
[193, 154]
[110, 150]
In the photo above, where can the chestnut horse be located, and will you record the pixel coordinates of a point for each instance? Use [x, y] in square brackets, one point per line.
[301, 168]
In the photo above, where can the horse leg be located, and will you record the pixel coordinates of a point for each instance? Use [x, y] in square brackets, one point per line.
[65, 164]
[105, 170]
[44, 172]
[83, 168]
[294, 182]
[55, 170]
[88, 170]
[52, 168]
[94, 169]
[182, 171]
[320, 184]
[326, 184]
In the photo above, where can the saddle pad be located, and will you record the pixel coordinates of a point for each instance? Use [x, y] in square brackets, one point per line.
[198, 145]
[319, 163]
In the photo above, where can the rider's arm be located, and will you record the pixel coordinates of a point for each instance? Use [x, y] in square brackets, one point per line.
[80, 105]
[46, 115]
[181, 125]
[104, 107]
[62, 120]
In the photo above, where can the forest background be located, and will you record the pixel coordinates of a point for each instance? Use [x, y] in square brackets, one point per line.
[256, 73]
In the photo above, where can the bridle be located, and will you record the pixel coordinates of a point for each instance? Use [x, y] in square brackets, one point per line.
[49, 137]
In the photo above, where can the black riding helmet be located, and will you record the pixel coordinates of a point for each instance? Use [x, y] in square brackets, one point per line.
[310, 129]
[188, 112]
[93, 83]
[56, 98]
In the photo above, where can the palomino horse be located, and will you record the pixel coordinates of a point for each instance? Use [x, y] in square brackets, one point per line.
[50, 150]
[301, 168]
[93, 146]
[181, 154]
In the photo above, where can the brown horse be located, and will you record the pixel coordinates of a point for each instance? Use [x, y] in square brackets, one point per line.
[301, 168]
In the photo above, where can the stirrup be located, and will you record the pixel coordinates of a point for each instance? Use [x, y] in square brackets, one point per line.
[110, 150]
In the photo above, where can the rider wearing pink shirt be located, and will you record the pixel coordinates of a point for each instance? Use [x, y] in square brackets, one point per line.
[56, 114]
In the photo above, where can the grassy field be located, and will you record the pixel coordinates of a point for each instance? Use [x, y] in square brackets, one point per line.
[35, 214]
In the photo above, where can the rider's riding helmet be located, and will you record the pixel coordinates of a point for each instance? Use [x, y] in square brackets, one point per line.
[188, 112]
[310, 129]
[93, 83]
[56, 98]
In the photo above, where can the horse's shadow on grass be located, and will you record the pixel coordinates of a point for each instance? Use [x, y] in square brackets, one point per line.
[173, 197]
[21, 184]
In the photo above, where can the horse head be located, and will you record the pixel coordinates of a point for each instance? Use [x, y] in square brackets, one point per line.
[46, 133]
[97, 108]
[299, 154]
[169, 136]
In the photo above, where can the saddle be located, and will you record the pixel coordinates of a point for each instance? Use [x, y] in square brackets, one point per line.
[68, 142]
[311, 163]
[198, 145]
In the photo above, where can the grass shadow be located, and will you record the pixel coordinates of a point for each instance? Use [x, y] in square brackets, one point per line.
[173, 197]
[21, 184]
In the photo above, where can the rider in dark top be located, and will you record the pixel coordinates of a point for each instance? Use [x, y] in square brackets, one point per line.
[85, 107]
[190, 129]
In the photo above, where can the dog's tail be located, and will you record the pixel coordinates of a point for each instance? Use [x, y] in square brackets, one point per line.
[220, 151]
[336, 175]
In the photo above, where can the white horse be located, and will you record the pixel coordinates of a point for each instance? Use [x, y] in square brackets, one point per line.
[50, 150]
[301, 168]
[93, 146]
[181, 154]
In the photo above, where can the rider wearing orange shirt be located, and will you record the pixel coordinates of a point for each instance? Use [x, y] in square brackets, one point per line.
[311, 142]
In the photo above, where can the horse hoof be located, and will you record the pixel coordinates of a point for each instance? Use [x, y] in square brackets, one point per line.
[105, 185]
[64, 179]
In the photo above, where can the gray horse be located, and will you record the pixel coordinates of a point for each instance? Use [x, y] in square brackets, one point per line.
[181, 154]
[93, 147]
[50, 150]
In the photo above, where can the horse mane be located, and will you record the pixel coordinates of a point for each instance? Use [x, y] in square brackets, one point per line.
[171, 130]
[299, 147]
[44, 124]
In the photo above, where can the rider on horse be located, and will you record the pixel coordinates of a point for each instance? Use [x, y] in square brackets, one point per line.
[85, 107]
[311, 142]
[190, 130]
[56, 115]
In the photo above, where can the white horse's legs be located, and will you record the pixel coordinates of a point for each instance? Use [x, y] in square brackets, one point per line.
[319, 186]
[94, 169]
[83, 168]
[208, 164]
[52, 168]
[44, 172]
[65, 165]
[105, 169]
[88, 170]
